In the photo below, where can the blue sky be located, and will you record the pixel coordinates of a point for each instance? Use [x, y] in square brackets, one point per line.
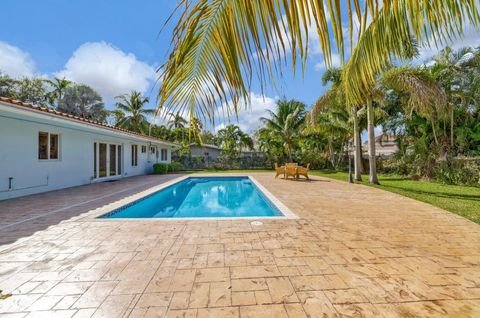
[113, 46]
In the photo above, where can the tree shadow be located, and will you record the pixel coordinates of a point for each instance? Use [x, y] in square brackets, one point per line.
[24, 216]
[447, 195]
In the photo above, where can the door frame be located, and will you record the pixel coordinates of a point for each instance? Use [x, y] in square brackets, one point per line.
[118, 168]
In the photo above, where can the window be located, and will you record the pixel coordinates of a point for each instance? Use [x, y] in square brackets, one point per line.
[134, 155]
[152, 149]
[144, 149]
[164, 155]
[48, 146]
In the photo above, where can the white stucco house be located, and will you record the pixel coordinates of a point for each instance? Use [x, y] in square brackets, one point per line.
[42, 150]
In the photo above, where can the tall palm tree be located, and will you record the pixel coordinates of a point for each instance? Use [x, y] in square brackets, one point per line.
[59, 86]
[286, 122]
[176, 121]
[136, 115]
[334, 98]
[219, 45]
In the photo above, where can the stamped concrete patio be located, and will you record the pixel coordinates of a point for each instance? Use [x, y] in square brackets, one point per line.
[356, 251]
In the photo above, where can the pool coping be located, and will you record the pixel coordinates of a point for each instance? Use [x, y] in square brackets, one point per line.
[96, 213]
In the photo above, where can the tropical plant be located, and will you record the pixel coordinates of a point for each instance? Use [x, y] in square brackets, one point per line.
[115, 117]
[59, 85]
[286, 122]
[333, 101]
[233, 140]
[136, 115]
[218, 45]
[176, 121]
[425, 96]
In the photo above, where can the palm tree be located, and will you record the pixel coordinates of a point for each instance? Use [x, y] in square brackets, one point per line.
[176, 121]
[233, 140]
[456, 72]
[286, 123]
[116, 116]
[59, 86]
[335, 98]
[425, 95]
[219, 45]
[135, 118]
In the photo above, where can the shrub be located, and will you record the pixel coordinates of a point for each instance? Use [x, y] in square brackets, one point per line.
[160, 168]
[175, 166]
[464, 172]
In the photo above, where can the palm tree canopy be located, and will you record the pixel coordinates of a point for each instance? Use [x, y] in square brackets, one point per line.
[135, 118]
[233, 140]
[177, 120]
[425, 94]
[218, 46]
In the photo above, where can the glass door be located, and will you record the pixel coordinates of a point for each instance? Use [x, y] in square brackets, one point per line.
[107, 160]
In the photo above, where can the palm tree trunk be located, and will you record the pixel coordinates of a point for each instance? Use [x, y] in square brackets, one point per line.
[371, 143]
[362, 167]
[357, 155]
[452, 115]
[434, 132]
[289, 149]
[330, 152]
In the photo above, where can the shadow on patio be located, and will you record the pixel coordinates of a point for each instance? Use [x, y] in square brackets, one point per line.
[21, 217]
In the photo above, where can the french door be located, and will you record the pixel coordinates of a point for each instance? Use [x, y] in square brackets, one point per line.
[107, 160]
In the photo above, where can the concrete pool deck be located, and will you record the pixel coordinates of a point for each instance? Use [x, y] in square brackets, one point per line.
[355, 251]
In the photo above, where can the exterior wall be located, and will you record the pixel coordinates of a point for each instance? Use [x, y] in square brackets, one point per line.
[198, 151]
[19, 154]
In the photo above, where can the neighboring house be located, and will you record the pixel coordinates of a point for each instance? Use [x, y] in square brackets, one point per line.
[43, 150]
[206, 151]
[251, 154]
[385, 146]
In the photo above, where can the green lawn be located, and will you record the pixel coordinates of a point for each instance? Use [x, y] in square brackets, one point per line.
[461, 200]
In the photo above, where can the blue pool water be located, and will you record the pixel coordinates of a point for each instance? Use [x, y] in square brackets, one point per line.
[201, 197]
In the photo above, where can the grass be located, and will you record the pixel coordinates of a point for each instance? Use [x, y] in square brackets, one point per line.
[461, 200]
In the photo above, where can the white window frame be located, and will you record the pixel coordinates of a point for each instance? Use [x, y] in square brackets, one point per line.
[134, 163]
[166, 154]
[48, 146]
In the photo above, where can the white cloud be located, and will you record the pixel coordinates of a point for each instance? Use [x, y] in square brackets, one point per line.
[108, 70]
[15, 62]
[469, 38]
[336, 61]
[249, 118]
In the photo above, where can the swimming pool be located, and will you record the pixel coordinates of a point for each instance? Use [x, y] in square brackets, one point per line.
[202, 197]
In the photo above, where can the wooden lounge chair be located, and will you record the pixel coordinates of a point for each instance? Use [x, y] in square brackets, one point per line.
[303, 171]
[279, 170]
[290, 170]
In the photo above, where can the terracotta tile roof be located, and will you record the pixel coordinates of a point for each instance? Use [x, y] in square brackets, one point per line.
[76, 118]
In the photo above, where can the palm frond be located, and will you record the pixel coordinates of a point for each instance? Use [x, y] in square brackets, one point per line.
[218, 46]
[425, 94]
[389, 37]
